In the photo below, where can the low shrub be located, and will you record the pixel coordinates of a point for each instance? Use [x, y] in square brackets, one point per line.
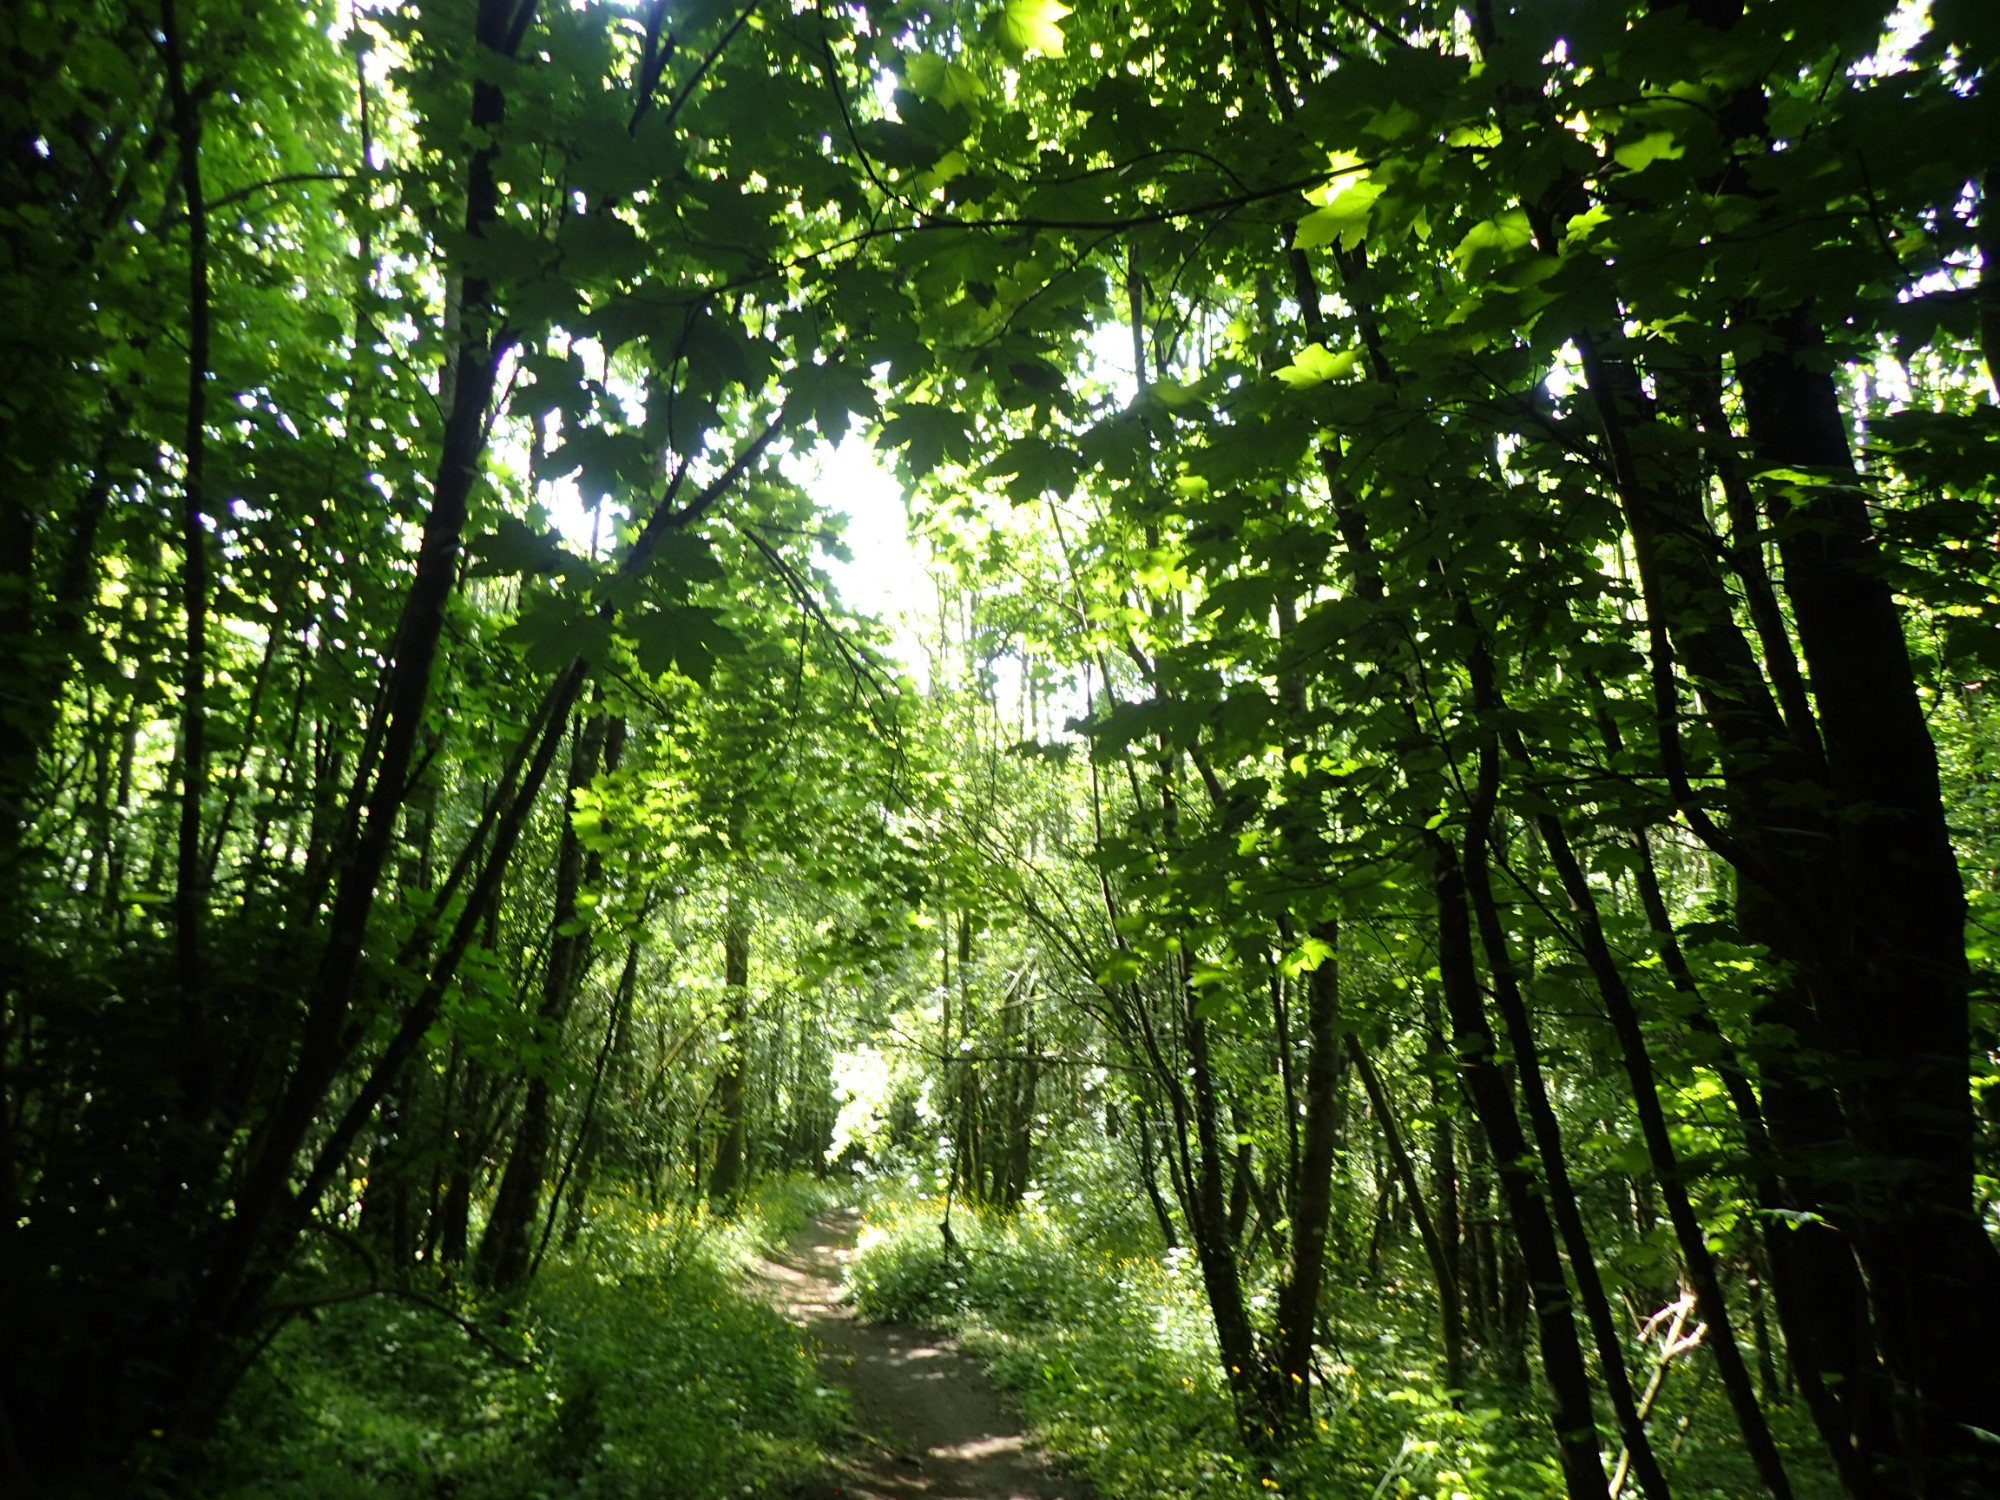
[1107, 1343]
[639, 1366]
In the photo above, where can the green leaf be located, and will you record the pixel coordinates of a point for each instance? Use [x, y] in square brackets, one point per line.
[1344, 219]
[601, 247]
[719, 355]
[831, 395]
[1037, 467]
[1488, 243]
[946, 82]
[605, 462]
[1121, 968]
[684, 558]
[552, 629]
[1224, 1010]
[556, 383]
[1581, 226]
[686, 639]
[1031, 26]
[1655, 145]
[1393, 123]
[513, 548]
[1309, 955]
[931, 434]
[1313, 365]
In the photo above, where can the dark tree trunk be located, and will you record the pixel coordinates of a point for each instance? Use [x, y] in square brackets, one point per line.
[1149, 1177]
[1688, 1232]
[1289, 1390]
[1570, 1413]
[1547, 1132]
[1884, 881]
[580, 1169]
[1208, 1224]
[505, 1250]
[725, 1179]
[1933, 1276]
[260, 1235]
[1440, 1250]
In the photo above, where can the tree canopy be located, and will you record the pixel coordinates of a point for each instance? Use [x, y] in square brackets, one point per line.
[1455, 731]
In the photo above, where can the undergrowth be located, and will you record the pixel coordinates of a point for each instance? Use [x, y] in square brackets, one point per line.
[1107, 1343]
[637, 1367]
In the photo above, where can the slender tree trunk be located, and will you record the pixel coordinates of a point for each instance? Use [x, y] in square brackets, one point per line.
[1788, 897]
[254, 1276]
[1688, 1231]
[1822, 1303]
[725, 1179]
[1547, 1132]
[188, 897]
[1149, 1178]
[1437, 1248]
[325, 1037]
[505, 1257]
[1483, 1251]
[1570, 1414]
[1546, 1129]
[1208, 1224]
[581, 1158]
[1312, 1191]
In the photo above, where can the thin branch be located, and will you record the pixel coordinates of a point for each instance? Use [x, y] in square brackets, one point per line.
[282, 1311]
[801, 590]
[653, 62]
[709, 60]
[833, 84]
[666, 519]
[287, 179]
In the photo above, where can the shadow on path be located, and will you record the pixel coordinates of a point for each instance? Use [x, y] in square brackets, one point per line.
[929, 1425]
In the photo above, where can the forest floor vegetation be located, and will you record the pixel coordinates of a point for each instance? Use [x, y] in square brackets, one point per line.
[637, 1368]
[808, 1347]
[1104, 1339]
[926, 1423]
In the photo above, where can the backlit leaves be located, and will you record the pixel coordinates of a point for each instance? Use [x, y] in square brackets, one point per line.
[1032, 26]
[1314, 366]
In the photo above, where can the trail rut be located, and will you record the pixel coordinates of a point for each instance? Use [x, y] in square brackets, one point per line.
[928, 1423]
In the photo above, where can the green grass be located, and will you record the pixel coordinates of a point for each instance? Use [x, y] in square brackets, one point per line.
[641, 1367]
[1108, 1345]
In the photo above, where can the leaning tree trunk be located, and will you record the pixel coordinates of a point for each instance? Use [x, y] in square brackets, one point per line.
[505, 1250]
[1547, 1133]
[1430, 1227]
[1570, 1412]
[1688, 1232]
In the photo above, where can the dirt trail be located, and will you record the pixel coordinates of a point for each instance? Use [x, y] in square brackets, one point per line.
[929, 1424]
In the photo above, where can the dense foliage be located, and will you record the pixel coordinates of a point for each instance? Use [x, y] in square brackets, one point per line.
[1426, 892]
[636, 1367]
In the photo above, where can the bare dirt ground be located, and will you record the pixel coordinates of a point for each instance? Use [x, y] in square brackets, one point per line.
[928, 1424]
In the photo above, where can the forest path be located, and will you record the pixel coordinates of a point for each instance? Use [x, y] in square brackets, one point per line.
[928, 1424]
